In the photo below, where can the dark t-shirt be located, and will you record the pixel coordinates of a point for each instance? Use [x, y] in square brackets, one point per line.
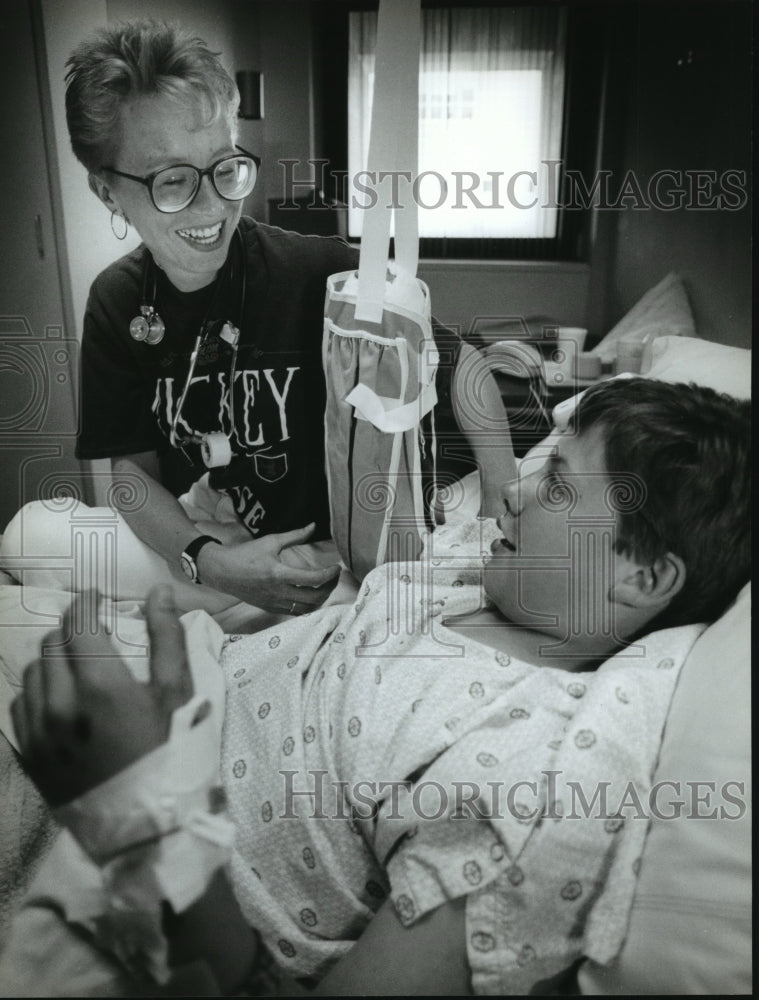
[130, 389]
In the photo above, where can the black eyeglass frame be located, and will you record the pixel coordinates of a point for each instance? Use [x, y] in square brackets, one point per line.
[210, 171]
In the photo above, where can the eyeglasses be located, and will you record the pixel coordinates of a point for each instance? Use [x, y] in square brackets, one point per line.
[174, 188]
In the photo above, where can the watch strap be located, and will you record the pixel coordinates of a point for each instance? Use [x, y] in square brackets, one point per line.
[191, 552]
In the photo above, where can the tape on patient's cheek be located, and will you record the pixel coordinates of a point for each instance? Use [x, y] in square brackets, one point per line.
[563, 411]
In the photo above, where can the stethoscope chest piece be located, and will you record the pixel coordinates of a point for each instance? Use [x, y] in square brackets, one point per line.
[148, 326]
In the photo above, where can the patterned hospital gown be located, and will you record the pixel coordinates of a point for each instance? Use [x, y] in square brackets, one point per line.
[369, 751]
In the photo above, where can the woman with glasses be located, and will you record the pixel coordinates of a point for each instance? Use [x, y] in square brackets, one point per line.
[201, 364]
[203, 344]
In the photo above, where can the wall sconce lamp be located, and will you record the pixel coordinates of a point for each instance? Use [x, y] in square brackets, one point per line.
[250, 83]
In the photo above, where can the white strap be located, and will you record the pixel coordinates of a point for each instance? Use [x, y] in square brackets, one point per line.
[393, 146]
[395, 459]
[387, 414]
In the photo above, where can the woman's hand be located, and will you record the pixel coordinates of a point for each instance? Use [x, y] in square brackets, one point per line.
[257, 573]
[82, 717]
[260, 572]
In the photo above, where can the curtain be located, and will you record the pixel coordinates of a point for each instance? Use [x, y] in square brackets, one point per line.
[491, 104]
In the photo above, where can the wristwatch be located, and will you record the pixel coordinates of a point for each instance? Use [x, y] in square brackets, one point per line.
[188, 559]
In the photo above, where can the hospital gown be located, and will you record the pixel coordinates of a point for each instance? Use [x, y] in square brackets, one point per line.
[368, 751]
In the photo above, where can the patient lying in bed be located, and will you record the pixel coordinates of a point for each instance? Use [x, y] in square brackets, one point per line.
[411, 755]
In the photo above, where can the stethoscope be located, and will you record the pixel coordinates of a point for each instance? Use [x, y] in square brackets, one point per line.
[215, 447]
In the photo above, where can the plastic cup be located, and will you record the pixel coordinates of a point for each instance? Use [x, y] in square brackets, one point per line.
[629, 355]
[574, 334]
[570, 341]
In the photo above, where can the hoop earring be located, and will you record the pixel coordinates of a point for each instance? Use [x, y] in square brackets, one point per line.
[123, 235]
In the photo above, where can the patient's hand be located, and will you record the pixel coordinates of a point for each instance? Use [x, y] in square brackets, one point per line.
[258, 572]
[482, 417]
[82, 717]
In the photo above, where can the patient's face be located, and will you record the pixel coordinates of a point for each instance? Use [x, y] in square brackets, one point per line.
[555, 567]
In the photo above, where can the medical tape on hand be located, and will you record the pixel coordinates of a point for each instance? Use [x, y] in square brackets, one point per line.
[177, 870]
[171, 788]
[157, 835]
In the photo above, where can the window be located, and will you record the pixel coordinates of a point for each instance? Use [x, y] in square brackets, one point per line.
[491, 101]
[509, 108]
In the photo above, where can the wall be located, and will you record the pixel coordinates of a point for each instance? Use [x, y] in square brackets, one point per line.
[38, 358]
[87, 238]
[288, 112]
[688, 107]
[464, 292]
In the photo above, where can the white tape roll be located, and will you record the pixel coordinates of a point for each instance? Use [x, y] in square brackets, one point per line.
[216, 450]
[230, 334]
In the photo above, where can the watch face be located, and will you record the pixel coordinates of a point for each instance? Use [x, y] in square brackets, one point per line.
[188, 567]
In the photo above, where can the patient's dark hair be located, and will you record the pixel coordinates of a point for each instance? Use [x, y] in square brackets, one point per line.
[682, 455]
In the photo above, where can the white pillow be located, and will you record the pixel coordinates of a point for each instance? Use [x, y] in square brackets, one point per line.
[683, 359]
[664, 311]
[690, 927]
[688, 359]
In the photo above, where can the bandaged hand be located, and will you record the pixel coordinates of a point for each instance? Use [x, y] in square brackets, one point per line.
[258, 573]
[131, 769]
[82, 717]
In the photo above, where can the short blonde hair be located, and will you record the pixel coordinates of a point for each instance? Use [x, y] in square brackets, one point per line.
[136, 59]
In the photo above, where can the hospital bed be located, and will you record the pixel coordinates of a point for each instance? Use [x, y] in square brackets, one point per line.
[690, 925]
